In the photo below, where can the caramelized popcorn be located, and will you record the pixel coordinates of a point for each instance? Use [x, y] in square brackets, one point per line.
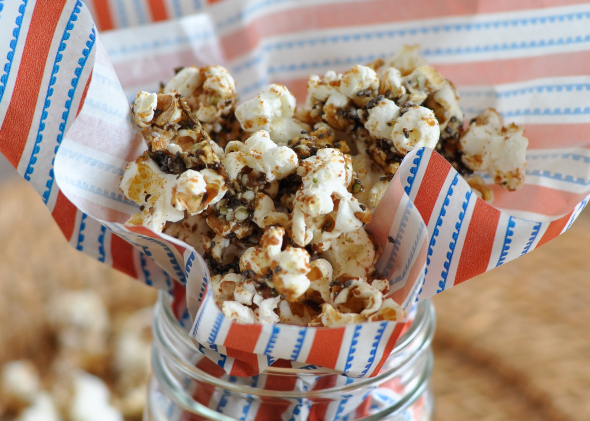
[488, 145]
[324, 208]
[209, 91]
[275, 198]
[272, 110]
[283, 270]
[260, 153]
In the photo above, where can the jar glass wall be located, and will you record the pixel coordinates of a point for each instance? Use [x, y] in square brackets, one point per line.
[187, 386]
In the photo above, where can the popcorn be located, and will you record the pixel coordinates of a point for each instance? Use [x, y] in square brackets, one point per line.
[381, 118]
[144, 107]
[488, 145]
[272, 110]
[359, 83]
[480, 188]
[416, 128]
[165, 197]
[81, 322]
[353, 254]
[260, 153]
[324, 175]
[90, 401]
[42, 409]
[391, 83]
[406, 60]
[210, 91]
[265, 214]
[234, 286]
[19, 385]
[283, 270]
[252, 207]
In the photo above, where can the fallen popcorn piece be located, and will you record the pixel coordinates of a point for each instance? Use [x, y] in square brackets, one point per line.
[41, 409]
[19, 385]
[499, 150]
[272, 110]
[81, 322]
[90, 400]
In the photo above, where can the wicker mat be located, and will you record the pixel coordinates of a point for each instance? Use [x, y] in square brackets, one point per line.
[513, 344]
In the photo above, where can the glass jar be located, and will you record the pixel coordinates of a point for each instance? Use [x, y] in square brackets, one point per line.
[186, 386]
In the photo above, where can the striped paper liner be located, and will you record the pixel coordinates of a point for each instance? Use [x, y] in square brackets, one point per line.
[66, 128]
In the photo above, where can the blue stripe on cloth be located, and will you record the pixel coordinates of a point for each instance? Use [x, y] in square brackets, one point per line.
[13, 43]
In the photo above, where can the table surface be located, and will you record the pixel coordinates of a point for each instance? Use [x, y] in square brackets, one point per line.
[512, 344]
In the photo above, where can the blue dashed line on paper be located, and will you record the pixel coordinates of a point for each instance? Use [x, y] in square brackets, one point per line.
[79, 244]
[298, 344]
[439, 220]
[507, 241]
[374, 348]
[534, 233]
[272, 340]
[352, 349]
[447, 264]
[414, 170]
[13, 43]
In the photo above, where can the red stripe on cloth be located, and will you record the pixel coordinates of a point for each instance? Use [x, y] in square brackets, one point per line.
[496, 72]
[318, 410]
[179, 303]
[554, 229]
[158, 10]
[359, 13]
[539, 199]
[103, 14]
[477, 248]
[397, 331]
[240, 343]
[64, 214]
[326, 347]
[203, 391]
[547, 136]
[84, 93]
[19, 116]
[273, 408]
[122, 254]
[363, 409]
[242, 337]
[245, 363]
[432, 182]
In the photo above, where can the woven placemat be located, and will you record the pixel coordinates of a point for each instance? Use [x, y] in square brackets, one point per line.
[512, 344]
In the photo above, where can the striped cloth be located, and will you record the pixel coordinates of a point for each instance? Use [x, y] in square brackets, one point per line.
[529, 63]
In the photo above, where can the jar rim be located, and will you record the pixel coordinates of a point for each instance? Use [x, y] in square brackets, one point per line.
[424, 316]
